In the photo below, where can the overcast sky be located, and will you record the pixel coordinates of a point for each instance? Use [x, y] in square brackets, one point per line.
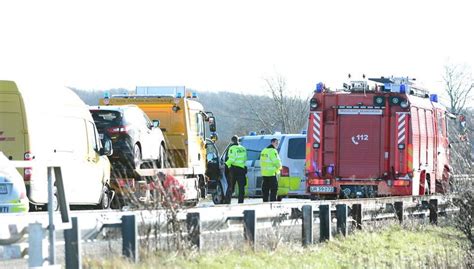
[231, 45]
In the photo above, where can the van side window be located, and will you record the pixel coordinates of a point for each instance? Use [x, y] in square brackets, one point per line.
[297, 148]
[92, 136]
[254, 147]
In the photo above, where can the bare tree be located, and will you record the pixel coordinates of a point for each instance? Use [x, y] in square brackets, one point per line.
[284, 112]
[459, 86]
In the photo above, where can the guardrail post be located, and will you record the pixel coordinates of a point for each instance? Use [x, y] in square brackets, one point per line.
[130, 237]
[341, 215]
[434, 211]
[51, 228]
[72, 238]
[356, 213]
[307, 225]
[399, 211]
[35, 245]
[250, 228]
[193, 221]
[325, 223]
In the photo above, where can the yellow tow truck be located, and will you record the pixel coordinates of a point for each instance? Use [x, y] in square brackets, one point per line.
[190, 135]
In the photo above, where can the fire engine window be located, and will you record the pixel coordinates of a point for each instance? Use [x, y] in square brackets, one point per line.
[296, 148]
[440, 124]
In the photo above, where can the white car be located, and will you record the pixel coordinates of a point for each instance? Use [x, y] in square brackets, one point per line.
[13, 197]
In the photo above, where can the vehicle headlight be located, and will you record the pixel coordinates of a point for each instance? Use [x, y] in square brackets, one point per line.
[404, 104]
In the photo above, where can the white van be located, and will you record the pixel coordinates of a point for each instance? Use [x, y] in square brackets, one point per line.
[292, 178]
[48, 124]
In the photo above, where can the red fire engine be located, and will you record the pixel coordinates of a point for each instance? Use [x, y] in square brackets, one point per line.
[386, 139]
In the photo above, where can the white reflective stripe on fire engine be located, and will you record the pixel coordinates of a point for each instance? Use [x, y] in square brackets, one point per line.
[401, 128]
[316, 127]
[359, 111]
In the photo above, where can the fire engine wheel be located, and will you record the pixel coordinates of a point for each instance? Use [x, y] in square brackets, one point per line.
[137, 157]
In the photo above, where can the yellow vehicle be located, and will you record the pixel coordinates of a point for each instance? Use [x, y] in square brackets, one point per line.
[42, 124]
[183, 122]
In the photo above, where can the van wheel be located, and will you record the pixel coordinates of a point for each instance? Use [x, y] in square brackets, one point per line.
[137, 157]
[105, 198]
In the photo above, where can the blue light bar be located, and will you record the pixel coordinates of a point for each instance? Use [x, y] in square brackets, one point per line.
[195, 95]
[319, 87]
[178, 95]
[403, 88]
[253, 133]
[434, 98]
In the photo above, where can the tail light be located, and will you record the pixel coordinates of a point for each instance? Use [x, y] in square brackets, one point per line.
[27, 171]
[118, 130]
[285, 171]
[401, 183]
[314, 181]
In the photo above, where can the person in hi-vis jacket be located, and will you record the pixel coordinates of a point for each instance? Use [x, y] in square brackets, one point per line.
[237, 155]
[270, 165]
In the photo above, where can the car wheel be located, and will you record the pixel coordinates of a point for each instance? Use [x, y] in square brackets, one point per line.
[137, 157]
[161, 162]
[218, 195]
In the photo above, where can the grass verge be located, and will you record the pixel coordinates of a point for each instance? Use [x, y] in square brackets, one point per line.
[393, 247]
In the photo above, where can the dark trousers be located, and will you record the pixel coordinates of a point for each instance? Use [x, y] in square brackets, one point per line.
[269, 188]
[236, 175]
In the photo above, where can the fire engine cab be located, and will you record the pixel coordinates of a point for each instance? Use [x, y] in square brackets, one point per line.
[377, 137]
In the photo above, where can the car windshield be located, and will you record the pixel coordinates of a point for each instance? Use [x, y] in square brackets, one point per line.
[106, 118]
[254, 147]
[296, 148]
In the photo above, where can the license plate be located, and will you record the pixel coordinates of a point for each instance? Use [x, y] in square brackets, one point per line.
[101, 136]
[321, 189]
[4, 209]
[3, 189]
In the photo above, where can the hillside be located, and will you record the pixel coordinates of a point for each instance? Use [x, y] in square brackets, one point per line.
[235, 113]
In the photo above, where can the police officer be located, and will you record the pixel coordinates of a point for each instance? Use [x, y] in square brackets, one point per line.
[237, 155]
[270, 164]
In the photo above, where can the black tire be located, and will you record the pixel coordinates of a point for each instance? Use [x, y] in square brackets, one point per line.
[137, 157]
[105, 199]
[161, 162]
[218, 196]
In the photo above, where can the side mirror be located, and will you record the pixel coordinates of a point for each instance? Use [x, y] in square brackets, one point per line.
[156, 123]
[214, 136]
[212, 125]
[106, 147]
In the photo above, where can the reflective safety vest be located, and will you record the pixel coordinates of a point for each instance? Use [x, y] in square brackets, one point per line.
[237, 156]
[270, 163]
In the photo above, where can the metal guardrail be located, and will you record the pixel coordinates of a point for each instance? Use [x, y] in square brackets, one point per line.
[199, 221]
[36, 230]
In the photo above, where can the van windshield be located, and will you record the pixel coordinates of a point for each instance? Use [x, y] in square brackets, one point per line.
[296, 148]
[106, 118]
[254, 147]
